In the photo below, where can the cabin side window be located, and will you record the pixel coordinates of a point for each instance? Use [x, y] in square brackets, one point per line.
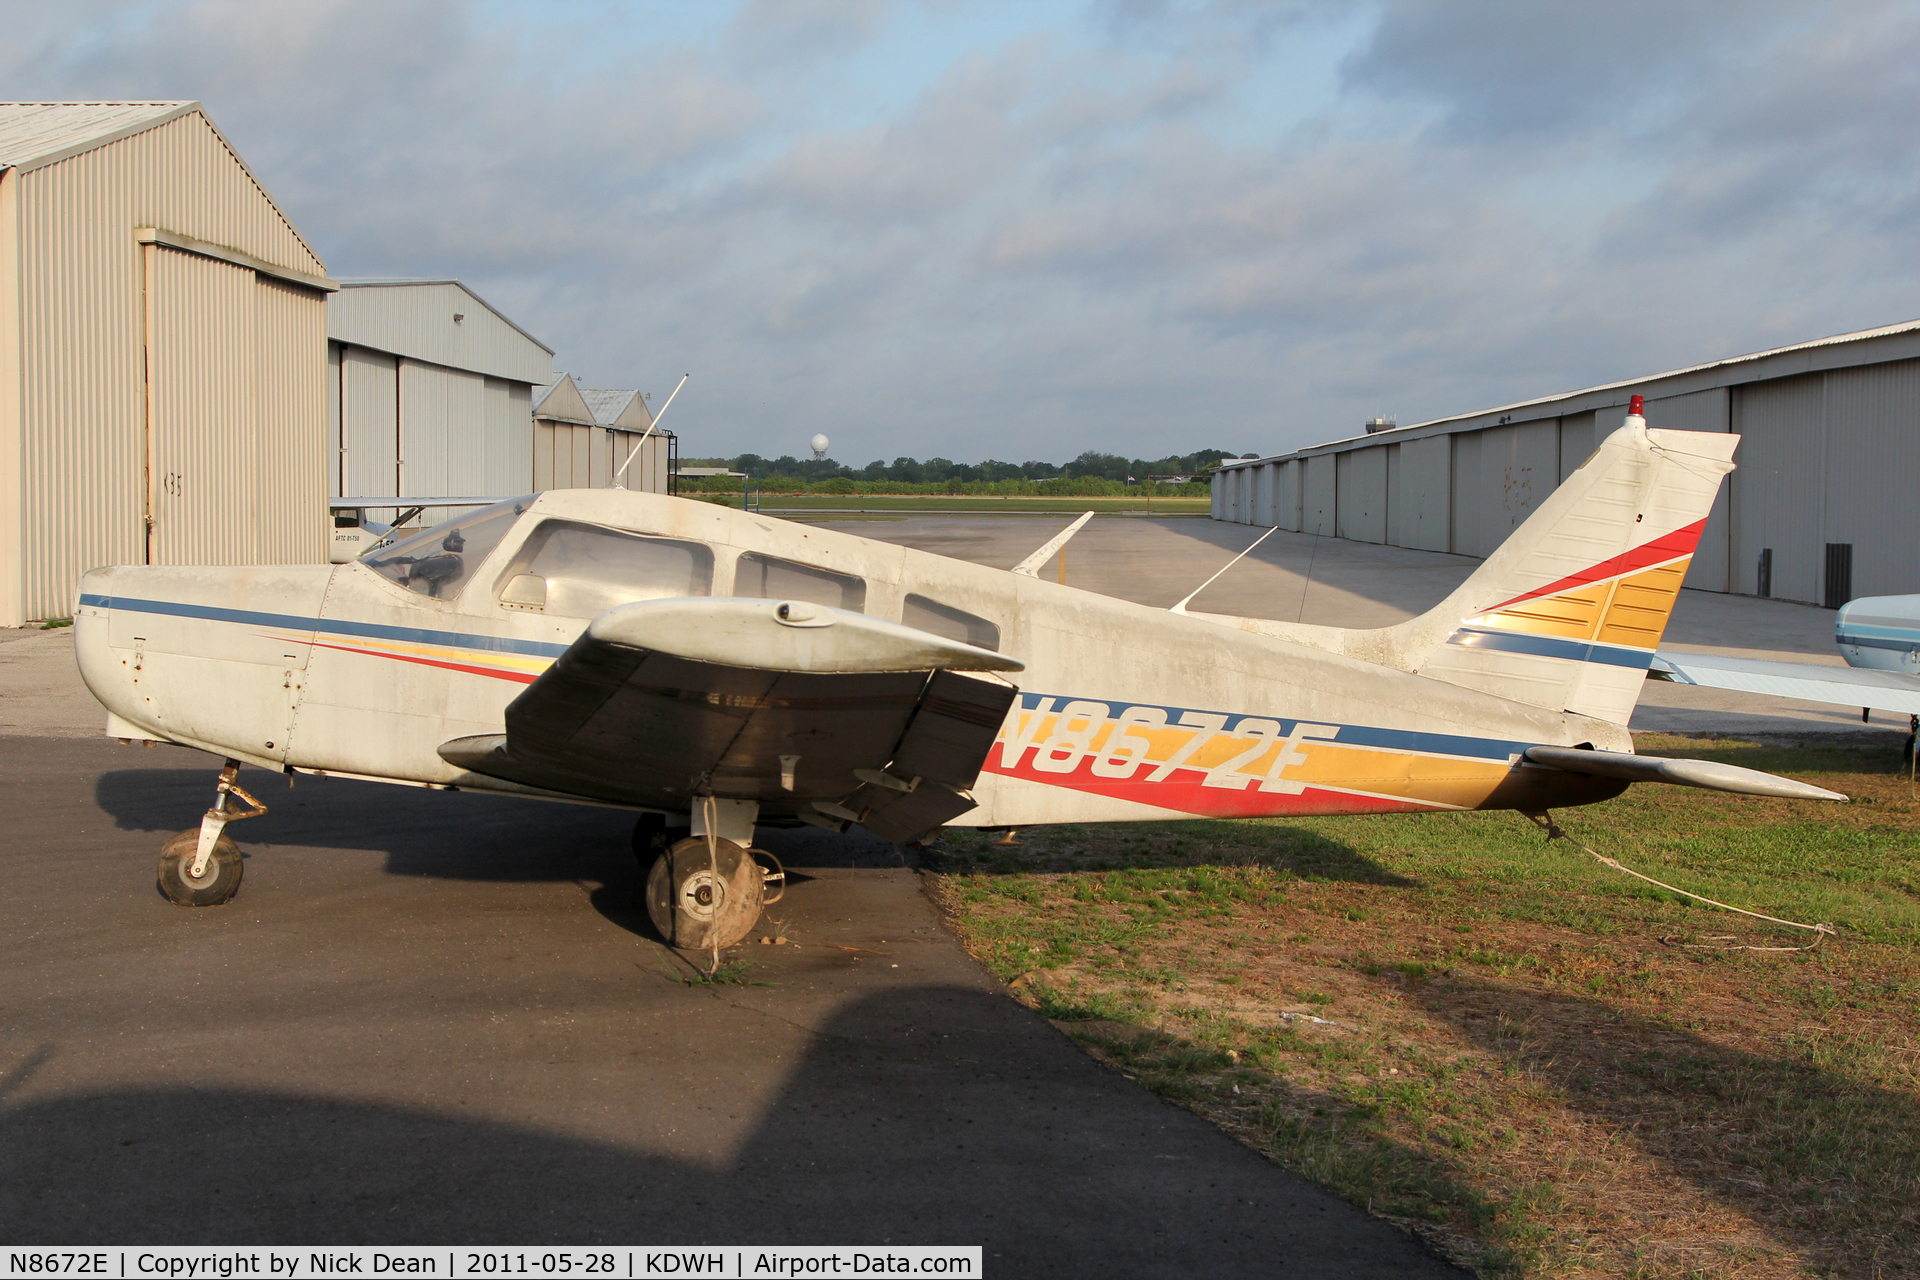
[437, 562]
[580, 570]
[765, 578]
[949, 623]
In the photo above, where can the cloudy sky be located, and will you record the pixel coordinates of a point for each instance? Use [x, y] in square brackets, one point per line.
[1021, 230]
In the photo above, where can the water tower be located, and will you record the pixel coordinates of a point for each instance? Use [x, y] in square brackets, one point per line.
[819, 443]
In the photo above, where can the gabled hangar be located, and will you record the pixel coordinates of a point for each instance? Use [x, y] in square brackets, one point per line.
[162, 353]
[1820, 511]
[429, 392]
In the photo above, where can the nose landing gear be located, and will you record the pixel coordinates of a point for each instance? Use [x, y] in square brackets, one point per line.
[201, 866]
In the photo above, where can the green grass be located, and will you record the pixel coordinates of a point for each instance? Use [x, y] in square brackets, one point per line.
[1458, 1024]
[961, 504]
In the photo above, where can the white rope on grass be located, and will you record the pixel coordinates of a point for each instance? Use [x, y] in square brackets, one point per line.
[1820, 931]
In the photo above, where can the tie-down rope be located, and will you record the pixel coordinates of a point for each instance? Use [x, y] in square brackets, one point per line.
[1726, 941]
[711, 813]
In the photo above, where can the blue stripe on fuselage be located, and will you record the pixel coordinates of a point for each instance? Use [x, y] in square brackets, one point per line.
[329, 626]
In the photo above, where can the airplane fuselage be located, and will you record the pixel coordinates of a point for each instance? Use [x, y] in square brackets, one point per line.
[1126, 712]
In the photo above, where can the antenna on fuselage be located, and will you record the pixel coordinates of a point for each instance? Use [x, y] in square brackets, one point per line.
[1182, 606]
[1030, 567]
[641, 443]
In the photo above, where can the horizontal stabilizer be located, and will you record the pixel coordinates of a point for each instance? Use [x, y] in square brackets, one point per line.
[1806, 681]
[1686, 773]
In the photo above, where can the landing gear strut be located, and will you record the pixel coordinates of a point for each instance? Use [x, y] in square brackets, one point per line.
[201, 866]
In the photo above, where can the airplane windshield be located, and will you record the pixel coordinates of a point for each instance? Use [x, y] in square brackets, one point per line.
[436, 561]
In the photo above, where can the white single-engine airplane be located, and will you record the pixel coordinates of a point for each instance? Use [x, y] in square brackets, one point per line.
[713, 669]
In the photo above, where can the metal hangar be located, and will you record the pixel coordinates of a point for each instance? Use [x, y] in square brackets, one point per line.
[429, 392]
[162, 353]
[1820, 510]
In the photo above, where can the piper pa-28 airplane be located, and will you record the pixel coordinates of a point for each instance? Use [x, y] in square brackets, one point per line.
[713, 670]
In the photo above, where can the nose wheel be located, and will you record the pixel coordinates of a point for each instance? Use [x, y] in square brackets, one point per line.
[201, 867]
[219, 877]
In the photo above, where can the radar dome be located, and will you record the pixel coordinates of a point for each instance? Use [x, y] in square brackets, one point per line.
[819, 444]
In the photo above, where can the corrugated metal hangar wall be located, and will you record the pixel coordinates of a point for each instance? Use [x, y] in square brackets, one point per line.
[1820, 510]
[429, 392]
[162, 353]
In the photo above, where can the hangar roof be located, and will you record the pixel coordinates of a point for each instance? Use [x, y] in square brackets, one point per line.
[1887, 342]
[437, 321]
[37, 133]
[623, 409]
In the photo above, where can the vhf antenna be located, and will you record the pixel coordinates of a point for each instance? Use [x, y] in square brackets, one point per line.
[635, 451]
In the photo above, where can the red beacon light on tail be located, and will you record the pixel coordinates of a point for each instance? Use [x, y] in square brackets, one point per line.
[1636, 406]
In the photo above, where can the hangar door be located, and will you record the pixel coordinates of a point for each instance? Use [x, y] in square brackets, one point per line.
[234, 423]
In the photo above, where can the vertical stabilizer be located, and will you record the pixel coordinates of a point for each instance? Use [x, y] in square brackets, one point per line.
[1567, 613]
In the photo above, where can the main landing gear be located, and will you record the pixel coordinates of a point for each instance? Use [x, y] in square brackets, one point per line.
[201, 866]
[700, 897]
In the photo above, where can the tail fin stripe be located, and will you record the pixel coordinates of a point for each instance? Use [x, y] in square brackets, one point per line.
[1681, 542]
[1551, 647]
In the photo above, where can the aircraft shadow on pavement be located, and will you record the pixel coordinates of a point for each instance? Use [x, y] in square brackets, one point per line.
[933, 1115]
[452, 836]
[436, 833]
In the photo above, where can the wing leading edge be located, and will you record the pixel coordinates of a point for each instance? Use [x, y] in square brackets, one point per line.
[817, 714]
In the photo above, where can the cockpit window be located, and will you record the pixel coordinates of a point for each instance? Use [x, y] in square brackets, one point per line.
[580, 570]
[437, 561]
[954, 624]
[766, 578]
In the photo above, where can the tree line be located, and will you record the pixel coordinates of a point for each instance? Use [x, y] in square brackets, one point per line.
[1090, 474]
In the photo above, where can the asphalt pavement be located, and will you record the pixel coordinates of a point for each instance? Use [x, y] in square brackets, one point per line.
[431, 1017]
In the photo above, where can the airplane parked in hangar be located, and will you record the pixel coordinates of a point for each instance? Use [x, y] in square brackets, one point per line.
[713, 669]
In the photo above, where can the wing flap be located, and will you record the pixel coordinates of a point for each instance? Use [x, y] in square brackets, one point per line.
[614, 720]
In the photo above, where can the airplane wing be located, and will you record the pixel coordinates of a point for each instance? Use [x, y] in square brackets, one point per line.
[819, 714]
[1807, 681]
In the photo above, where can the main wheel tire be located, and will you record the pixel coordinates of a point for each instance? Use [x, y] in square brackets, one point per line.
[694, 911]
[219, 882]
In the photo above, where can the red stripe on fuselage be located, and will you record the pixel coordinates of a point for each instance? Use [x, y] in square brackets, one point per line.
[1187, 795]
[1681, 542]
[518, 677]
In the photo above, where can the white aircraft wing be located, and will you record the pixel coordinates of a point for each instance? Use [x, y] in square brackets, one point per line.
[1807, 681]
[816, 713]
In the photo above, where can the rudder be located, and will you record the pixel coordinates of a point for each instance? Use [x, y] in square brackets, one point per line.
[1568, 611]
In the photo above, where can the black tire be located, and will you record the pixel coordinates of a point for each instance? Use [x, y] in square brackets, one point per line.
[673, 890]
[220, 882]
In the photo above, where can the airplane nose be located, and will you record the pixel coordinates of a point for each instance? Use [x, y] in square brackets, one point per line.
[106, 677]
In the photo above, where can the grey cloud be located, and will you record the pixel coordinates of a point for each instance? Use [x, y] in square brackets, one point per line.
[1055, 245]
